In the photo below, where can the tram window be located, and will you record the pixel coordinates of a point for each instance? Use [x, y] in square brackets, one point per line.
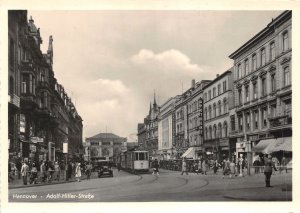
[141, 156]
[146, 156]
[136, 156]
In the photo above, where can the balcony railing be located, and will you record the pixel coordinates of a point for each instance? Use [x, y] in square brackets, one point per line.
[280, 121]
[14, 99]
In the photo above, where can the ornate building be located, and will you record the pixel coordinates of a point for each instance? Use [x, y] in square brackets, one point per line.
[36, 120]
[262, 86]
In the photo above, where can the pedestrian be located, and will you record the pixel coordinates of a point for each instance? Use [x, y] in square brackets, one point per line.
[63, 169]
[43, 171]
[69, 171]
[215, 166]
[50, 171]
[19, 166]
[184, 167]
[155, 166]
[119, 166]
[10, 172]
[256, 166]
[199, 165]
[88, 170]
[57, 171]
[33, 174]
[283, 164]
[24, 172]
[78, 172]
[232, 168]
[269, 166]
[226, 170]
[204, 166]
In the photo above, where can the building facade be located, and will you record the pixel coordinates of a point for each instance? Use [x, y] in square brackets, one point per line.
[105, 146]
[166, 129]
[218, 98]
[42, 113]
[262, 85]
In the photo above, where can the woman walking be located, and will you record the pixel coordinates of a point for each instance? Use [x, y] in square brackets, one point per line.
[204, 166]
[184, 167]
[78, 172]
[232, 168]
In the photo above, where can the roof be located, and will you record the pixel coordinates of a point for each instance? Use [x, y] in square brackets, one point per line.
[105, 135]
[269, 28]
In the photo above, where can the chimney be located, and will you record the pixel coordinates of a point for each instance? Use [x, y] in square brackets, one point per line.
[193, 83]
[218, 75]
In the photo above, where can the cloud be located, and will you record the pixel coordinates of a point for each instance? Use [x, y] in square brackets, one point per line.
[169, 61]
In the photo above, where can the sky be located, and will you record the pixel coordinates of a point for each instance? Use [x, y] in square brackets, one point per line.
[111, 62]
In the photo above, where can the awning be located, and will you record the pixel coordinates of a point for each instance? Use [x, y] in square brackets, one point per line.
[283, 144]
[273, 145]
[190, 153]
[263, 146]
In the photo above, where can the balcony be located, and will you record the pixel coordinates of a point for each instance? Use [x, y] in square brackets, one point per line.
[27, 66]
[43, 85]
[14, 100]
[28, 101]
[280, 121]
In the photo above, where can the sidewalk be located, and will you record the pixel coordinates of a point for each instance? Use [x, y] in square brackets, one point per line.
[18, 183]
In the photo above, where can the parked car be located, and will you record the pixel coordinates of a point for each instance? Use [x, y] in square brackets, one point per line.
[104, 168]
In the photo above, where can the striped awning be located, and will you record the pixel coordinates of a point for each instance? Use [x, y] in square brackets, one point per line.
[263, 146]
[273, 145]
[283, 144]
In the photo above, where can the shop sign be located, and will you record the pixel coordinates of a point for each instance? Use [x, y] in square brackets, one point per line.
[36, 140]
[65, 147]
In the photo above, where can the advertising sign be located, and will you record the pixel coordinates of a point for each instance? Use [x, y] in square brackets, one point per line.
[36, 140]
[65, 147]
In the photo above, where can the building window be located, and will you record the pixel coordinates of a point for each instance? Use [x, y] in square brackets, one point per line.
[214, 92]
[220, 108]
[219, 130]
[210, 132]
[12, 53]
[225, 105]
[254, 90]
[272, 51]
[232, 122]
[240, 123]
[247, 93]
[263, 86]
[255, 119]
[205, 97]
[215, 131]
[246, 66]
[224, 86]
[11, 86]
[209, 94]
[214, 110]
[273, 111]
[205, 114]
[219, 89]
[225, 129]
[247, 121]
[24, 87]
[240, 97]
[239, 71]
[264, 117]
[273, 83]
[285, 41]
[206, 133]
[263, 56]
[209, 112]
[287, 80]
[254, 62]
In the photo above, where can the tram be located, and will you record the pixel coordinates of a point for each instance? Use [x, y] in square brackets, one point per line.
[134, 161]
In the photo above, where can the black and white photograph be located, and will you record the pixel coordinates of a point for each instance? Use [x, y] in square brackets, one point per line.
[147, 106]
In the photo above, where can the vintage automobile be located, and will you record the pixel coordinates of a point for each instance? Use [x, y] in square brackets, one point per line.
[104, 168]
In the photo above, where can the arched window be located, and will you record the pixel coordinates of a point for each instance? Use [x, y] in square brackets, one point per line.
[210, 132]
[205, 113]
[206, 133]
[220, 108]
[209, 112]
[215, 131]
[285, 42]
[287, 79]
[225, 129]
[214, 110]
[225, 105]
[220, 130]
[239, 72]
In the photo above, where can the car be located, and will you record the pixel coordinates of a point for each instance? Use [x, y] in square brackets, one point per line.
[104, 168]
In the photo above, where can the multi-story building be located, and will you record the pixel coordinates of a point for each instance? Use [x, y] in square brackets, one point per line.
[148, 131]
[44, 111]
[262, 86]
[105, 146]
[218, 98]
[166, 129]
[141, 134]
